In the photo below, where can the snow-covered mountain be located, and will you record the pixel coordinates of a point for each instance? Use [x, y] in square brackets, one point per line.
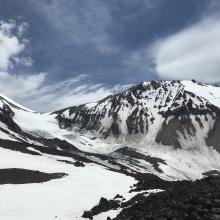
[165, 128]
[166, 112]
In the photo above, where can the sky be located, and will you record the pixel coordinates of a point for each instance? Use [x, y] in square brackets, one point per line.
[60, 53]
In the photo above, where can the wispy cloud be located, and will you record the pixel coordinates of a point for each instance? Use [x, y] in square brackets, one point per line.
[94, 23]
[70, 92]
[82, 22]
[17, 86]
[191, 53]
[33, 90]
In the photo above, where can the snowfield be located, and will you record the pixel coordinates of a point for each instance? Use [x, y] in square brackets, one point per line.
[63, 199]
[81, 189]
[181, 163]
[209, 92]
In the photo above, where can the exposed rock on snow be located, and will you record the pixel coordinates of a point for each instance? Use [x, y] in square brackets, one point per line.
[186, 200]
[22, 176]
[129, 143]
[166, 112]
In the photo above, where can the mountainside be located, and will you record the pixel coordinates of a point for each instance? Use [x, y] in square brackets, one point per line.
[165, 112]
[138, 140]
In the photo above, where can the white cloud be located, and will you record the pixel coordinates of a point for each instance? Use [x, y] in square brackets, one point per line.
[22, 28]
[191, 53]
[10, 46]
[83, 96]
[31, 89]
[16, 86]
[70, 92]
[88, 93]
[25, 61]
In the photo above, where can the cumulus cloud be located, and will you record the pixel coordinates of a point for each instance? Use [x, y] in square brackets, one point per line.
[191, 53]
[12, 44]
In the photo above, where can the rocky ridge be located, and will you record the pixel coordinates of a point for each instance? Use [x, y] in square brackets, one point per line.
[157, 111]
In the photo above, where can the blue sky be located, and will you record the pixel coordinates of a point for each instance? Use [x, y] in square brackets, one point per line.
[58, 53]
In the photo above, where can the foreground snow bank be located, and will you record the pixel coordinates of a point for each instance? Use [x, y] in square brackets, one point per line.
[61, 199]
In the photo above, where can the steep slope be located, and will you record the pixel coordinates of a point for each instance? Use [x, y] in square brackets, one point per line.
[149, 128]
[166, 112]
[38, 134]
[159, 119]
[64, 198]
[156, 129]
[44, 177]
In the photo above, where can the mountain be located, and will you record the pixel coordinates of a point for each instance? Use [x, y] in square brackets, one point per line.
[166, 112]
[57, 165]
[172, 121]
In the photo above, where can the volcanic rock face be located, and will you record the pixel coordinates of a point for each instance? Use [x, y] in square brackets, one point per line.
[157, 111]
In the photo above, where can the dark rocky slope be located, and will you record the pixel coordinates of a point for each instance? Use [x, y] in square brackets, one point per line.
[180, 200]
[199, 200]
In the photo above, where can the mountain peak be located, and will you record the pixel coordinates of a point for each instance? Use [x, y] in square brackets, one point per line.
[166, 112]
